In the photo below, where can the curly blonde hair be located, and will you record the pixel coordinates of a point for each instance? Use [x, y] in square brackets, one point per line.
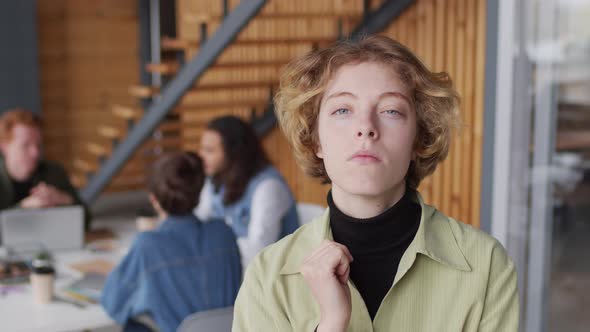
[304, 81]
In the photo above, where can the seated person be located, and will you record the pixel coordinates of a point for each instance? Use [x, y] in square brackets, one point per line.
[182, 267]
[243, 187]
[26, 180]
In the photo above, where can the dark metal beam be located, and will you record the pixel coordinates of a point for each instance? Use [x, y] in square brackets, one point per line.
[266, 122]
[213, 47]
[379, 19]
[489, 130]
[144, 43]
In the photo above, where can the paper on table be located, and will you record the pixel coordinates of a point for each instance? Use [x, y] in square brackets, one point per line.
[100, 266]
[91, 281]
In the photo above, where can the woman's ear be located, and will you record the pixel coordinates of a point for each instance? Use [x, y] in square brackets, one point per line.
[155, 204]
[414, 154]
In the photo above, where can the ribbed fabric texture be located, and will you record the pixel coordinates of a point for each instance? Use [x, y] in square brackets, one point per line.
[376, 245]
[451, 278]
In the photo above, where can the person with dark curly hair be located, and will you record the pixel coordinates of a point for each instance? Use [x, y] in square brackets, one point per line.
[372, 120]
[243, 187]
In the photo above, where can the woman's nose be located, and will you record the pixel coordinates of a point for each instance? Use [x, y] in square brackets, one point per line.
[367, 128]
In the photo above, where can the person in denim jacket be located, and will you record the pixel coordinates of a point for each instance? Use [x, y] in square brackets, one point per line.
[182, 267]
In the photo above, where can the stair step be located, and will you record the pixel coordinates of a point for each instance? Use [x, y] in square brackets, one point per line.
[236, 85]
[186, 101]
[164, 68]
[116, 134]
[110, 132]
[97, 149]
[78, 180]
[171, 68]
[257, 64]
[125, 112]
[133, 166]
[143, 91]
[165, 142]
[192, 133]
[128, 183]
[256, 103]
[113, 133]
[170, 126]
[85, 166]
[212, 18]
[168, 43]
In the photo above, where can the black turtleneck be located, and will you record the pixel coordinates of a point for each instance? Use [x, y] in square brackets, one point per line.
[377, 245]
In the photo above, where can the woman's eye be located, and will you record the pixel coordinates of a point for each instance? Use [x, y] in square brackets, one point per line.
[392, 112]
[341, 111]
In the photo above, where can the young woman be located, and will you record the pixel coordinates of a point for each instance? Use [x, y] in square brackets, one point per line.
[370, 118]
[243, 188]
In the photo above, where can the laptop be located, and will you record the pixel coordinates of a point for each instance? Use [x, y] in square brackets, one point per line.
[56, 228]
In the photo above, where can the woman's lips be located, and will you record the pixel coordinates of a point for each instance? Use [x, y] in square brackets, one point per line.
[365, 157]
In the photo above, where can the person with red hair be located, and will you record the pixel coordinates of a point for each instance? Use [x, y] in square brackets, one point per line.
[26, 179]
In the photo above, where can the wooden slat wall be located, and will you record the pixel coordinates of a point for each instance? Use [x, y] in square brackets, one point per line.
[88, 52]
[449, 35]
[318, 20]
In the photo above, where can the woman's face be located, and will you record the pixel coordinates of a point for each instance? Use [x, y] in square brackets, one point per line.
[367, 127]
[211, 152]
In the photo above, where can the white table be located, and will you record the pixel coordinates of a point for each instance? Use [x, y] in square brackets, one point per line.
[19, 312]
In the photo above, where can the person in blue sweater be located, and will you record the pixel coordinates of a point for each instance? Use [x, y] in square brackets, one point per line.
[182, 267]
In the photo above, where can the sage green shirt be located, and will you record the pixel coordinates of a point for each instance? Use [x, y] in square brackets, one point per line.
[452, 277]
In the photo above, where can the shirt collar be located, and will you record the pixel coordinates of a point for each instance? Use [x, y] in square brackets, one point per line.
[434, 239]
[172, 220]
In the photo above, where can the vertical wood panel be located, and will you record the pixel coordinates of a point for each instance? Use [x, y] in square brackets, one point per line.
[445, 168]
[449, 35]
[430, 58]
[454, 207]
[85, 67]
[478, 111]
[306, 26]
[468, 113]
[88, 56]
[439, 65]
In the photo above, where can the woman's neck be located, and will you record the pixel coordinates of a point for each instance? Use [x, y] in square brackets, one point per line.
[366, 206]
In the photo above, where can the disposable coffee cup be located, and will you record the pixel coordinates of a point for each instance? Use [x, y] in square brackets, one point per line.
[42, 279]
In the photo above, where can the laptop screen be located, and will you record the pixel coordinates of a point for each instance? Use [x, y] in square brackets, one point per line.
[37, 229]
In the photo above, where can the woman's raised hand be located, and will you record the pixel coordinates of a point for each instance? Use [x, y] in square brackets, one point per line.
[326, 271]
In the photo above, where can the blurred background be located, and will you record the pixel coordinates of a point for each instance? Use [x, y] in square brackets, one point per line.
[119, 82]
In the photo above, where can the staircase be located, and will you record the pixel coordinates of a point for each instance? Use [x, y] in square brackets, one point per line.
[240, 81]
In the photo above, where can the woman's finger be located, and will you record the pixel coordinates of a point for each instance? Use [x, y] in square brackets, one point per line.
[343, 273]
